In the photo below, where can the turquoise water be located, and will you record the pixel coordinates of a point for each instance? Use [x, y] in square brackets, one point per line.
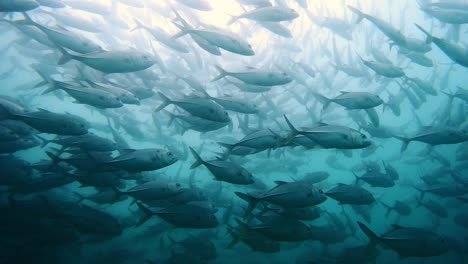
[114, 177]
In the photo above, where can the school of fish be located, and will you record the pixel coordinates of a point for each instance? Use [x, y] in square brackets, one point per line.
[237, 131]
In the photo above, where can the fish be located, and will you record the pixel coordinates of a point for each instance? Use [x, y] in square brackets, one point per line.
[452, 50]
[112, 61]
[143, 160]
[282, 228]
[67, 39]
[436, 136]
[256, 77]
[350, 194]
[352, 100]
[223, 40]
[286, 194]
[152, 190]
[18, 5]
[90, 96]
[332, 136]
[267, 14]
[409, 241]
[252, 238]
[224, 170]
[197, 106]
[53, 123]
[162, 37]
[191, 215]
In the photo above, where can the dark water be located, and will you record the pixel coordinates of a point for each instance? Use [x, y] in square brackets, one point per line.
[96, 168]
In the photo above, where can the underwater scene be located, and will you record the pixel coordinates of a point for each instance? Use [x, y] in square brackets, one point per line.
[233, 131]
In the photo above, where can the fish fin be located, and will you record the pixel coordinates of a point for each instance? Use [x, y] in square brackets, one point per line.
[228, 147]
[243, 229]
[53, 157]
[172, 117]
[280, 182]
[147, 213]
[117, 191]
[251, 200]
[222, 73]
[324, 100]
[356, 176]
[428, 35]
[450, 96]
[80, 197]
[139, 25]
[294, 131]
[198, 160]
[395, 226]
[373, 238]
[66, 56]
[232, 20]
[171, 239]
[358, 13]
[389, 209]
[166, 102]
[422, 191]
[405, 143]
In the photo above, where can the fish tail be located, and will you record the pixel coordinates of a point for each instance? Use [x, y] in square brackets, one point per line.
[228, 147]
[252, 202]
[172, 117]
[66, 56]
[235, 238]
[373, 238]
[450, 96]
[293, 129]
[222, 73]
[147, 213]
[358, 13]
[53, 157]
[44, 141]
[232, 20]
[405, 142]
[171, 239]
[185, 25]
[428, 35]
[80, 197]
[243, 229]
[198, 160]
[166, 102]
[46, 80]
[355, 176]
[389, 209]
[323, 99]
[139, 25]
[422, 191]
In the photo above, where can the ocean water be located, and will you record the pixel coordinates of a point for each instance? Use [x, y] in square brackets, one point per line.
[143, 131]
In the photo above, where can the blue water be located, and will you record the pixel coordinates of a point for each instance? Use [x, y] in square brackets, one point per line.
[60, 225]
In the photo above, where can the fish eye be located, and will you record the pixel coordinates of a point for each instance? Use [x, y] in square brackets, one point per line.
[363, 136]
[177, 185]
[320, 191]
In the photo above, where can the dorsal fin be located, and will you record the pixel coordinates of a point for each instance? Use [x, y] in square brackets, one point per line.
[43, 110]
[281, 182]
